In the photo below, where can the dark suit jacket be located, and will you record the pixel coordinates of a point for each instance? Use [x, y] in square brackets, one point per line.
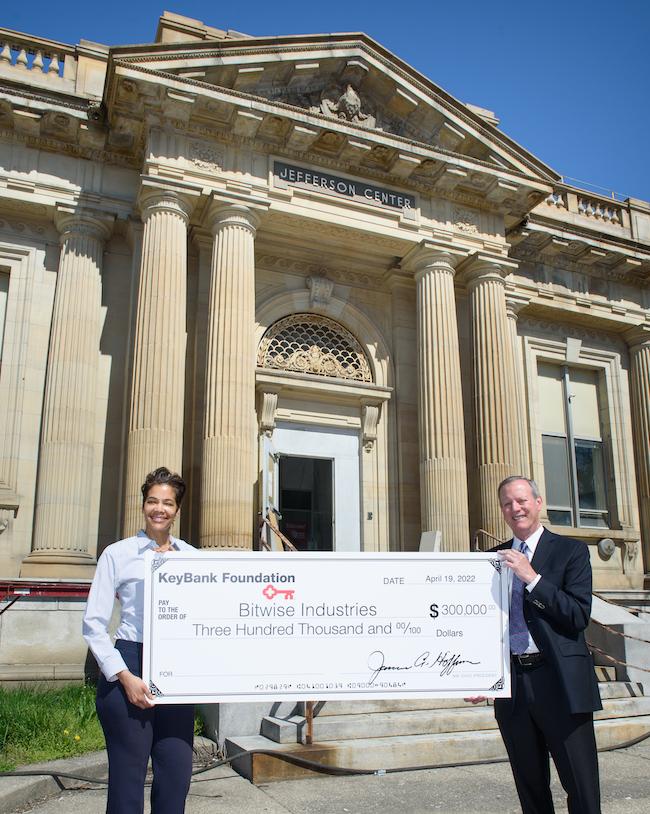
[557, 611]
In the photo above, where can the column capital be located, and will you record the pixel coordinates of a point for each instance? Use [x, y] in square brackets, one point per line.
[515, 302]
[73, 222]
[432, 255]
[222, 214]
[176, 199]
[480, 267]
[638, 338]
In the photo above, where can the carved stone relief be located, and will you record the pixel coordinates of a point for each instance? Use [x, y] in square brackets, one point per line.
[267, 419]
[205, 156]
[370, 415]
[465, 220]
[343, 104]
[320, 290]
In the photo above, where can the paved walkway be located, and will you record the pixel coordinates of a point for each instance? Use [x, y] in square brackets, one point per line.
[625, 777]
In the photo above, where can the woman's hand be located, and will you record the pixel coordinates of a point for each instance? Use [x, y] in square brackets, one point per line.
[136, 690]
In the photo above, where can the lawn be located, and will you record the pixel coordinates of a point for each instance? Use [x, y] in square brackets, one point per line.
[46, 724]
[37, 725]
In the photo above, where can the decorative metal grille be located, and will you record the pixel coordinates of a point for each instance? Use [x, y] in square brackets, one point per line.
[308, 343]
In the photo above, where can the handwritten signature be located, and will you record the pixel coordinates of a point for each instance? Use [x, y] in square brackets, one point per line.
[446, 661]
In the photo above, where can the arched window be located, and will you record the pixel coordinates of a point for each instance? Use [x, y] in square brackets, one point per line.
[310, 343]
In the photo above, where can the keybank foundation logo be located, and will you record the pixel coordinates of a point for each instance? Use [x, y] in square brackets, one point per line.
[212, 577]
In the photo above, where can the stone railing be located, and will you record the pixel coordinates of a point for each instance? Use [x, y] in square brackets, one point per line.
[599, 209]
[588, 205]
[38, 58]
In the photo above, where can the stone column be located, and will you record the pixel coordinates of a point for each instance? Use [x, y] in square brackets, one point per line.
[67, 448]
[158, 379]
[495, 398]
[514, 304]
[443, 466]
[229, 435]
[639, 340]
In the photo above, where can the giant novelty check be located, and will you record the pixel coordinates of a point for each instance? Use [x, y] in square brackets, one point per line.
[222, 626]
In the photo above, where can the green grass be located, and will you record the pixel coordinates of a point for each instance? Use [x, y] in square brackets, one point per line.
[39, 725]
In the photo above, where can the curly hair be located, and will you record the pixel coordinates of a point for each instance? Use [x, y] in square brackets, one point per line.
[163, 477]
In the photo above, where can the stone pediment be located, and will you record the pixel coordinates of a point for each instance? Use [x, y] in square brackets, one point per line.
[345, 78]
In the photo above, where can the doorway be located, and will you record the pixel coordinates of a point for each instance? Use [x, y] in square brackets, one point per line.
[310, 474]
[306, 504]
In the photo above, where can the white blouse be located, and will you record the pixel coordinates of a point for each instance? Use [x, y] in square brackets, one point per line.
[120, 573]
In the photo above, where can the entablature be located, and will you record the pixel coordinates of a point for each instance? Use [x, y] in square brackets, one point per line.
[544, 240]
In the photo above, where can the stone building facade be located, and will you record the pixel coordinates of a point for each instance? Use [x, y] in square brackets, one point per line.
[306, 276]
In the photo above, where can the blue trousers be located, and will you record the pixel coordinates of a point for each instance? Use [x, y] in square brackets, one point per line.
[165, 733]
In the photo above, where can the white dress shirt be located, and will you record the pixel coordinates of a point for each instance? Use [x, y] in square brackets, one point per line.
[120, 573]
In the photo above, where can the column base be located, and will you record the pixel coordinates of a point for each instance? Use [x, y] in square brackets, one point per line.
[68, 565]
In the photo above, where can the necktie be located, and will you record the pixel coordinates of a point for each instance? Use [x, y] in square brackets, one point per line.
[518, 627]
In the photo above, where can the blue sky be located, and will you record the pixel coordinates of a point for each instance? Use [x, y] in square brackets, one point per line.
[569, 80]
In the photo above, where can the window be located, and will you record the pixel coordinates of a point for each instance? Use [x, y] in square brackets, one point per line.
[572, 446]
[4, 296]
[313, 344]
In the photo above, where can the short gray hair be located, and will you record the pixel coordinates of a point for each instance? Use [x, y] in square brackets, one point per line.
[534, 488]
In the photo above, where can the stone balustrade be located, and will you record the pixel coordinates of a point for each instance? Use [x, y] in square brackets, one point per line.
[629, 218]
[605, 211]
[33, 54]
[598, 207]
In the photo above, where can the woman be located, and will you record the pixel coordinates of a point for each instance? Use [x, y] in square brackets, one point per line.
[134, 728]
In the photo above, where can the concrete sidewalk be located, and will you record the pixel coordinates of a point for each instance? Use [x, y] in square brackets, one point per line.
[625, 779]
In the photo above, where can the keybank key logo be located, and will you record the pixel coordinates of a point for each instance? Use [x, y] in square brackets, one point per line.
[270, 592]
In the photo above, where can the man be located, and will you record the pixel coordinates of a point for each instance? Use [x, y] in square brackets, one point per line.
[554, 687]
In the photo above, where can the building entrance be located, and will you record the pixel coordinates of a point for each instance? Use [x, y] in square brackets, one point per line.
[311, 477]
[306, 505]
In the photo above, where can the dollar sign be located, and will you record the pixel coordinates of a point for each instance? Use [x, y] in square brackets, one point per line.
[433, 611]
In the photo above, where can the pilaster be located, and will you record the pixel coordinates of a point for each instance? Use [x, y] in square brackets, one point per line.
[495, 397]
[158, 379]
[515, 303]
[66, 454]
[639, 342]
[229, 438]
[443, 466]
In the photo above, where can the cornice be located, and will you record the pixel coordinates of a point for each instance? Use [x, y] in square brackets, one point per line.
[582, 231]
[61, 99]
[52, 144]
[557, 260]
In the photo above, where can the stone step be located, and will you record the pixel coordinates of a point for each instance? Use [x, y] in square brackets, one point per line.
[608, 689]
[455, 748]
[620, 689]
[617, 703]
[605, 673]
[385, 724]
[623, 708]
[388, 705]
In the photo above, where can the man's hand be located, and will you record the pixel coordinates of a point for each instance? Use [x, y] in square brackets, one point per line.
[136, 690]
[476, 699]
[519, 564]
